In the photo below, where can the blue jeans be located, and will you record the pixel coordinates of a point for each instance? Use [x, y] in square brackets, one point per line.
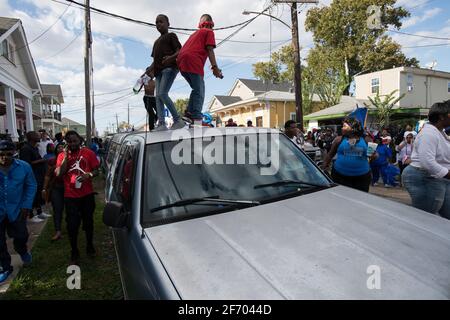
[376, 170]
[427, 193]
[164, 82]
[197, 96]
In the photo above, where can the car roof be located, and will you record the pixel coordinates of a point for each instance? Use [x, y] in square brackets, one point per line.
[174, 135]
[119, 137]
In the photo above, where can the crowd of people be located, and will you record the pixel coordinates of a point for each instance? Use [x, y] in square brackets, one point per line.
[420, 161]
[41, 172]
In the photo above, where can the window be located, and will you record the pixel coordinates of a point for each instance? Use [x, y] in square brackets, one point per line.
[376, 85]
[124, 176]
[4, 49]
[259, 121]
[292, 116]
[166, 182]
[409, 82]
[7, 50]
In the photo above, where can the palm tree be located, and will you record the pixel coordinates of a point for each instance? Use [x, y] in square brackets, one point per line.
[384, 106]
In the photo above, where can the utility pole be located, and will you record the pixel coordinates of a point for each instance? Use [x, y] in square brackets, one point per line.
[87, 70]
[297, 61]
[297, 67]
[128, 122]
[117, 122]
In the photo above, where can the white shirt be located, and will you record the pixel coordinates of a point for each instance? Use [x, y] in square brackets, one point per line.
[42, 147]
[431, 152]
[405, 151]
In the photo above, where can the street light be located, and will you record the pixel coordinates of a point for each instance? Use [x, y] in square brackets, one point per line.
[245, 12]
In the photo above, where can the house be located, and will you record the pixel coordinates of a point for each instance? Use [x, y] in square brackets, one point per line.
[19, 81]
[51, 101]
[265, 103]
[421, 88]
[69, 124]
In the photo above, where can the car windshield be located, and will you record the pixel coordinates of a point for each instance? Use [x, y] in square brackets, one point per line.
[253, 167]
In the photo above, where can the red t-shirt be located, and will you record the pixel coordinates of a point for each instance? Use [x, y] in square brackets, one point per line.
[78, 163]
[193, 54]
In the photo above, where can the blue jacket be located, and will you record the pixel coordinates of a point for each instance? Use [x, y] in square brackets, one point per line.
[384, 154]
[17, 190]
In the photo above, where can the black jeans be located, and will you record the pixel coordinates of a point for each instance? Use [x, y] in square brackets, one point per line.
[356, 182]
[150, 106]
[80, 210]
[57, 200]
[402, 166]
[38, 201]
[19, 232]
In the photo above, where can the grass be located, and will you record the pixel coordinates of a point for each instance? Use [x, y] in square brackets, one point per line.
[46, 277]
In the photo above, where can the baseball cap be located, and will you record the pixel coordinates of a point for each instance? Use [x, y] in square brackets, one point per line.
[7, 146]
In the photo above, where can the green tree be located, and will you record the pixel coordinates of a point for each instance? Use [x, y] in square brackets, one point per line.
[181, 105]
[280, 68]
[328, 75]
[342, 29]
[384, 106]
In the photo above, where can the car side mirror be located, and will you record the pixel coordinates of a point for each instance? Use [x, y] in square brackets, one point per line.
[114, 215]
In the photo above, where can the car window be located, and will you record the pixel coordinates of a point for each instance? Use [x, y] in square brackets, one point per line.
[124, 176]
[166, 181]
[113, 146]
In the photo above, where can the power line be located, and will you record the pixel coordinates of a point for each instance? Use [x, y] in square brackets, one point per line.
[51, 26]
[244, 25]
[146, 44]
[63, 49]
[117, 16]
[101, 94]
[428, 45]
[45, 31]
[418, 35]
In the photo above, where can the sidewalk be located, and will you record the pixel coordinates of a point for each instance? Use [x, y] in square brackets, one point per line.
[34, 230]
[397, 194]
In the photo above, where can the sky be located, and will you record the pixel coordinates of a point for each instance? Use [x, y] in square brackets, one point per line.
[121, 50]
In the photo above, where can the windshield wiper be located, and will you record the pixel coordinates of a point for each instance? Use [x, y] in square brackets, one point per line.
[287, 182]
[215, 199]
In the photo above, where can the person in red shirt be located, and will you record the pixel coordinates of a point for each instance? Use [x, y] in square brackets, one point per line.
[191, 61]
[78, 165]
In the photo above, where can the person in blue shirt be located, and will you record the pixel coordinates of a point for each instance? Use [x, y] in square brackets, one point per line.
[381, 162]
[351, 167]
[17, 190]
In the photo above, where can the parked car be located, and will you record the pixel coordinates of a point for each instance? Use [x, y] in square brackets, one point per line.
[186, 229]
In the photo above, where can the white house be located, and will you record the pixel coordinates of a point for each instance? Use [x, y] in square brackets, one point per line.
[19, 80]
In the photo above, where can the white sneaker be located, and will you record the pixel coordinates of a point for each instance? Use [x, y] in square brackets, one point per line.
[36, 219]
[162, 127]
[44, 215]
[178, 125]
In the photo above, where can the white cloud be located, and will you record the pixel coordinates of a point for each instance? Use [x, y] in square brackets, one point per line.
[428, 14]
[110, 56]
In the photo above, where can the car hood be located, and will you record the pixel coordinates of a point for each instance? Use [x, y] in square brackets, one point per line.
[337, 243]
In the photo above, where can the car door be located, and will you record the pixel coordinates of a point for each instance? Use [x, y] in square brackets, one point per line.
[129, 242]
